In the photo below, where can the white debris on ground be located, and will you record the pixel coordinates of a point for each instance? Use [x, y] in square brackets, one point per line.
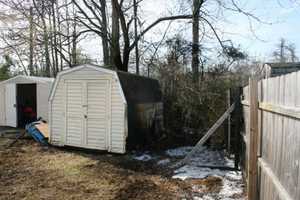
[232, 183]
[231, 189]
[179, 152]
[196, 167]
[143, 157]
[231, 186]
[164, 162]
[189, 171]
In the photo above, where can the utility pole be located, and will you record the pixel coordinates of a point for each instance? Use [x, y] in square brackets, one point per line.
[282, 46]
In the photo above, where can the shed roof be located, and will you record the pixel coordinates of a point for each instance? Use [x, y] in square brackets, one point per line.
[139, 89]
[136, 89]
[29, 78]
[289, 64]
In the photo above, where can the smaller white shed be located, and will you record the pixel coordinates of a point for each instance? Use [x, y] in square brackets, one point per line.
[90, 107]
[22, 93]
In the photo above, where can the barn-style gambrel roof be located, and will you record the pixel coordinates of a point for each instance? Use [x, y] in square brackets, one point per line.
[135, 89]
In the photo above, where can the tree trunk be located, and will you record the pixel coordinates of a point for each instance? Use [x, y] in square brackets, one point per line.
[195, 46]
[46, 42]
[31, 48]
[74, 44]
[56, 69]
[52, 46]
[137, 58]
[68, 33]
[105, 46]
[59, 37]
[126, 55]
[116, 60]
[126, 39]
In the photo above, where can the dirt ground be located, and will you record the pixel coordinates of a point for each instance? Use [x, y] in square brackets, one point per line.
[29, 171]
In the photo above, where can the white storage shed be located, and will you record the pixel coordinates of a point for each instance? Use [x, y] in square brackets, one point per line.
[21, 92]
[89, 108]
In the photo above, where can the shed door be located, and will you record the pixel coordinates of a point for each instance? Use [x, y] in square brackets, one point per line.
[97, 114]
[74, 114]
[10, 105]
[88, 113]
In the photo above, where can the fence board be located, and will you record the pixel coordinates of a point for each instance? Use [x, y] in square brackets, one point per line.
[279, 138]
[253, 142]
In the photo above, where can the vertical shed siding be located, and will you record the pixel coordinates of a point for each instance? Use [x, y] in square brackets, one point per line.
[118, 132]
[118, 126]
[74, 119]
[57, 115]
[2, 105]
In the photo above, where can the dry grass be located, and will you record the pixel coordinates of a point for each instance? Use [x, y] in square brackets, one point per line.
[29, 171]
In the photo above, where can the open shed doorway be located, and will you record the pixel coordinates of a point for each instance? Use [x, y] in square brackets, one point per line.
[26, 104]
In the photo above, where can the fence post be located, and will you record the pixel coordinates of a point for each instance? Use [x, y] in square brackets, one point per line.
[229, 123]
[253, 168]
[238, 120]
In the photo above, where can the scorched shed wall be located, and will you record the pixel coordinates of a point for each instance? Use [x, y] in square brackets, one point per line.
[118, 127]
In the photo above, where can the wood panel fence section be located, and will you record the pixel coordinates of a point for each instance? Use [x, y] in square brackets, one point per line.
[278, 138]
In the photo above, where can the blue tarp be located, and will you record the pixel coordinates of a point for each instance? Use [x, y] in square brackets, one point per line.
[35, 133]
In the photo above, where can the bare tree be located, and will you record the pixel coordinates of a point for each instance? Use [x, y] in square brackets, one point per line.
[120, 41]
[42, 8]
[93, 16]
[60, 25]
[292, 49]
[285, 52]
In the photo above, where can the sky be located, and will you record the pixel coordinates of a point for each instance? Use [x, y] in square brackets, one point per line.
[279, 19]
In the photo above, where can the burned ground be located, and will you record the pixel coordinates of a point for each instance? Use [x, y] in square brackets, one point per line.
[29, 171]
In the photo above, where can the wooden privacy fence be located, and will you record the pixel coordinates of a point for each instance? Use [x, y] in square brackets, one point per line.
[271, 110]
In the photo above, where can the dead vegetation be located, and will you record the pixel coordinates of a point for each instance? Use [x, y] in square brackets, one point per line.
[29, 171]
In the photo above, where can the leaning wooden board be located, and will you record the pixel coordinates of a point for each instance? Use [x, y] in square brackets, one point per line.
[43, 128]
